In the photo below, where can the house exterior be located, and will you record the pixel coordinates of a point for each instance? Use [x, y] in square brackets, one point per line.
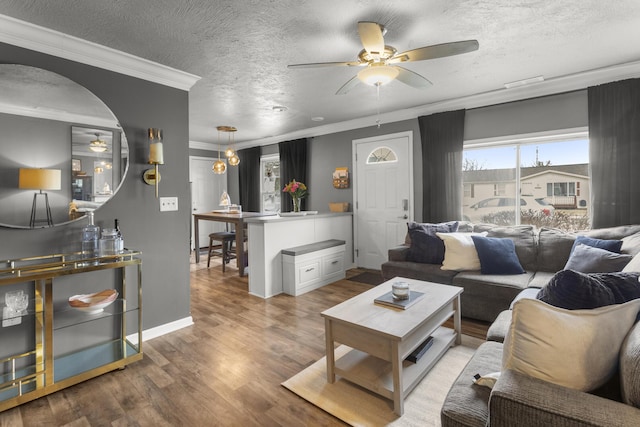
[563, 186]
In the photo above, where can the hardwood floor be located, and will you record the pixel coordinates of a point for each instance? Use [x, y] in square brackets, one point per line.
[224, 370]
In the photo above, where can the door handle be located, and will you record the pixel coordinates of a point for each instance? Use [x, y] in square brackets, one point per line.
[403, 216]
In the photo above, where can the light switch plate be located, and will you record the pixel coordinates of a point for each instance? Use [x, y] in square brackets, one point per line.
[168, 204]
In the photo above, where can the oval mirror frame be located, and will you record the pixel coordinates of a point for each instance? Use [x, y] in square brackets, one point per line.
[54, 127]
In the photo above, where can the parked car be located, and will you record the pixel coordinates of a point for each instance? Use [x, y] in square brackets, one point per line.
[492, 205]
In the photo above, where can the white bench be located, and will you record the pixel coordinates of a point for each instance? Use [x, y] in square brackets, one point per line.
[309, 267]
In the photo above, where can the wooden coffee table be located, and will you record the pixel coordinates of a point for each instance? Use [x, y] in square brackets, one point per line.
[382, 337]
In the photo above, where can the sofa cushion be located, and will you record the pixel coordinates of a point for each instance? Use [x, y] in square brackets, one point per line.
[426, 247]
[486, 295]
[617, 232]
[497, 255]
[577, 349]
[541, 279]
[499, 328]
[416, 270]
[460, 253]
[574, 290]
[630, 367]
[589, 259]
[554, 247]
[608, 245]
[467, 404]
[524, 238]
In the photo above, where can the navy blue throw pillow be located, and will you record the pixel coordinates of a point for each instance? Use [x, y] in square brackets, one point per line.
[497, 256]
[574, 290]
[426, 246]
[607, 245]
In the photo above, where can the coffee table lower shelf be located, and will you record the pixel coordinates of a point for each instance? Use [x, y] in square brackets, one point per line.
[376, 374]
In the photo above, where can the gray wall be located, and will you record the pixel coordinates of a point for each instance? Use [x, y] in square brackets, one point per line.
[554, 112]
[22, 145]
[162, 237]
[330, 151]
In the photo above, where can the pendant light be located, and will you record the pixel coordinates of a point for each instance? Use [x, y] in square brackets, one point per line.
[219, 167]
[230, 153]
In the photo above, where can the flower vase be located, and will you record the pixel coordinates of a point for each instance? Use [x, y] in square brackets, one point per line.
[296, 204]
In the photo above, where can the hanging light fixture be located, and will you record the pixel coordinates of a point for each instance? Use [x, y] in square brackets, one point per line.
[219, 167]
[230, 153]
[98, 145]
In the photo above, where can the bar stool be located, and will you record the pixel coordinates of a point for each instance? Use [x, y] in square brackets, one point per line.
[226, 239]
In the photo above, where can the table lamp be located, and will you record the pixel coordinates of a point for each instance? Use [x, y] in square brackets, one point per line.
[39, 179]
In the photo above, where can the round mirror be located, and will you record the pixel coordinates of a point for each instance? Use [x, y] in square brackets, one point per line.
[63, 151]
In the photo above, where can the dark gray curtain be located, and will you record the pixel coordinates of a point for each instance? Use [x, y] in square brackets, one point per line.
[442, 137]
[249, 178]
[614, 153]
[293, 165]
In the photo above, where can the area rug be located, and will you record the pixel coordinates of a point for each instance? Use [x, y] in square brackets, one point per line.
[368, 277]
[359, 407]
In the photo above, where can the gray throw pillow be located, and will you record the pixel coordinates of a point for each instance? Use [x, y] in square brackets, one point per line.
[587, 259]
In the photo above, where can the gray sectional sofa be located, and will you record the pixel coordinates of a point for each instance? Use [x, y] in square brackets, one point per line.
[521, 400]
[541, 252]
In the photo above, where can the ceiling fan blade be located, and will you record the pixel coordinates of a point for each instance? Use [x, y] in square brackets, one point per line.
[328, 64]
[412, 79]
[348, 85]
[371, 37]
[435, 51]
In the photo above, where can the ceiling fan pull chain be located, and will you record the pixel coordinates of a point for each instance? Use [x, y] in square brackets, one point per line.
[378, 105]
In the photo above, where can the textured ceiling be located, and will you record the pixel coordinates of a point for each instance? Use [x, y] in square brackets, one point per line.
[241, 50]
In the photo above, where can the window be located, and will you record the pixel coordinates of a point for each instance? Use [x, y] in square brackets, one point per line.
[549, 173]
[270, 183]
[561, 188]
[468, 191]
[382, 155]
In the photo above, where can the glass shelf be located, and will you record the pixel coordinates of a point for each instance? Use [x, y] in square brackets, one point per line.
[82, 361]
[68, 317]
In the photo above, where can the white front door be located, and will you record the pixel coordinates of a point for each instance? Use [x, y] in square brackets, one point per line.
[206, 188]
[383, 195]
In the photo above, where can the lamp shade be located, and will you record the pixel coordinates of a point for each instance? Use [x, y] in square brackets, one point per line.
[378, 75]
[39, 179]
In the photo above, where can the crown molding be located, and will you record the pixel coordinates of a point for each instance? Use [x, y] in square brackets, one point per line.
[62, 116]
[552, 86]
[30, 36]
[202, 146]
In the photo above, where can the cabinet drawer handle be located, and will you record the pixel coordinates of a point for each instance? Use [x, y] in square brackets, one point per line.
[334, 262]
[309, 269]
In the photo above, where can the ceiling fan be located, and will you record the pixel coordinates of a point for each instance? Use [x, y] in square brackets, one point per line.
[380, 61]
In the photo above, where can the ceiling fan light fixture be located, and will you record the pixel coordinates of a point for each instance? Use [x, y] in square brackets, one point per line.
[98, 145]
[378, 75]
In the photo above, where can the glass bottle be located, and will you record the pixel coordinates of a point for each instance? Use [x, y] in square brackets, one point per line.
[119, 238]
[90, 237]
[108, 242]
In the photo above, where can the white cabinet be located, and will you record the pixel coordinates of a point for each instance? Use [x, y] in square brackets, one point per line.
[308, 267]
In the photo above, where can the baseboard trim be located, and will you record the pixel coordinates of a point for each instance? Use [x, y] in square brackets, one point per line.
[158, 331]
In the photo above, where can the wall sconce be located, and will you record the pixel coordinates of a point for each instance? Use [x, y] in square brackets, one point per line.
[156, 157]
[39, 179]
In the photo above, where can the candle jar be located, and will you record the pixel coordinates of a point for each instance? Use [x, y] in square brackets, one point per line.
[400, 290]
